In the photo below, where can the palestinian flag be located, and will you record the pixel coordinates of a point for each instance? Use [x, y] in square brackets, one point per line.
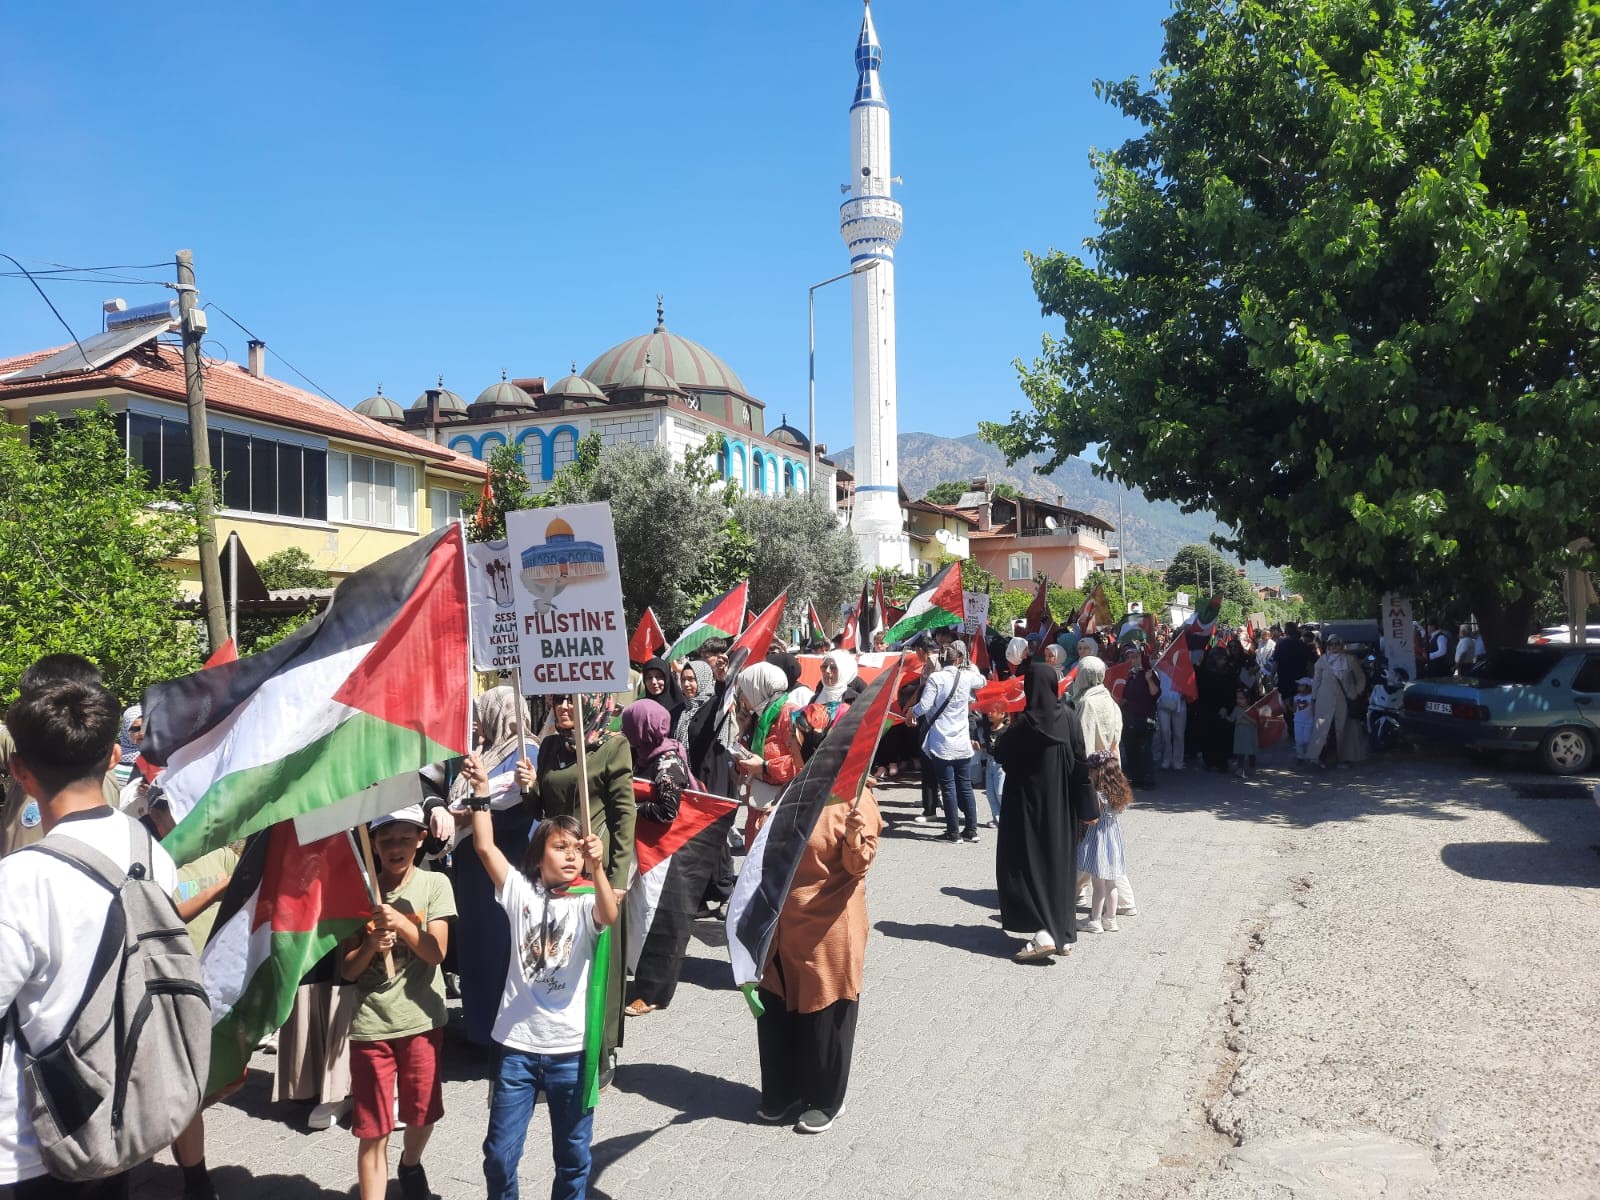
[286, 906]
[865, 623]
[814, 630]
[378, 685]
[720, 617]
[758, 634]
[1267, 713]
[672, 866]
[1205, 617]
[938, 603]
[1086, 621]
[835, 774]
[647, 640]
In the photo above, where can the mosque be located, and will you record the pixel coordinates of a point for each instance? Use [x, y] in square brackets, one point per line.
[663, 389]
[655, 389]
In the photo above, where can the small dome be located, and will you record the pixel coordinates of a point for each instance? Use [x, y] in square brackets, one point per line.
[575, 387]
[381, 408]
[787, 435]
[450, 404]
[503, 394]
[648, 379]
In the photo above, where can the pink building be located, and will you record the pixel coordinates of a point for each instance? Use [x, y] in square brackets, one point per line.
[1019, 540]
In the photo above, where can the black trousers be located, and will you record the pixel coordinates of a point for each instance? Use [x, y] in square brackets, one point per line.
[805, 1057]
[932, 802]
[43, 1187]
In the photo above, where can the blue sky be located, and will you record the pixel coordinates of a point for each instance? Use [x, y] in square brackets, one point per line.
[385, 193]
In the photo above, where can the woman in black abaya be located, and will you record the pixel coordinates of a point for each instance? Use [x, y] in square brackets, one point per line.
[1047, 793]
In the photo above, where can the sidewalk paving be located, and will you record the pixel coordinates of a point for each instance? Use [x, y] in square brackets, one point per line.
[1394, 952]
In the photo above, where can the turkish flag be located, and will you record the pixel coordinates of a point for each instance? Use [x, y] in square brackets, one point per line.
[647, 640]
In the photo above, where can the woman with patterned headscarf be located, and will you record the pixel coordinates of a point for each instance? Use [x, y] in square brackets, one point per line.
[697, 682]
[482, 937]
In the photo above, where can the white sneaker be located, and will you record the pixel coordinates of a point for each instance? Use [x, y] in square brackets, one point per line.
[919, 819]
[324, 1115]
[1090, 927]
[1110, 925]
[1127, 912]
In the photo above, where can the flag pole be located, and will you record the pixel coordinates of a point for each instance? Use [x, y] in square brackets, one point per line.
[370, 877]
[522, 730]
[582, 739]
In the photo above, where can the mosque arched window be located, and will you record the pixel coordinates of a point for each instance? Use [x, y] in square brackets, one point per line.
[722, 458]
[788, 479]
[758, 472]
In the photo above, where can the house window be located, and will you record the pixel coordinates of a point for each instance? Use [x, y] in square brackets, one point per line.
[1020, 566]
[371, 491]
[259, 475]
[445, 506]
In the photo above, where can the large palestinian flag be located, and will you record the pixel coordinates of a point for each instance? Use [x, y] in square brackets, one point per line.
[938, 603]
[378, 685]
[758, 634]
[285, 907]
[672, 865]
[814, 630]
[720, 617]
[835, 775]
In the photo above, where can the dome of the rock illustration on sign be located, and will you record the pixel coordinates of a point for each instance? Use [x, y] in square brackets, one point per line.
[561, 558]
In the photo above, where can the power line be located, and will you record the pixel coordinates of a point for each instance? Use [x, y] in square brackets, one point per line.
[47, 300]
[253, 337]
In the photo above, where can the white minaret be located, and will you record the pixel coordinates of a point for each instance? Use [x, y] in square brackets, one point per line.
[869, 222]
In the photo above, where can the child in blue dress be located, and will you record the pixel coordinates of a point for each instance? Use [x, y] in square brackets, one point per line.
[1101, 854]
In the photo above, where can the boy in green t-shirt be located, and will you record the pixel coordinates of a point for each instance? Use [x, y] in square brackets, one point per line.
[398, 1029]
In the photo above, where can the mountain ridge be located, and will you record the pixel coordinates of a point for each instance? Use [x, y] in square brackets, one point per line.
[1152, 530]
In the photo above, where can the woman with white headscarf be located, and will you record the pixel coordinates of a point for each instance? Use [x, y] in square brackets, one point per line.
[768, 753]
[841, 680]
[1337, 681]
[1097, 710]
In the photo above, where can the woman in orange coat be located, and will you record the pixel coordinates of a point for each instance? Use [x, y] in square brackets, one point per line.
[812, 983]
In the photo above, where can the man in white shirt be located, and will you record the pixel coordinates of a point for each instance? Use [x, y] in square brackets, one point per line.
[65, 735]
[947, 747]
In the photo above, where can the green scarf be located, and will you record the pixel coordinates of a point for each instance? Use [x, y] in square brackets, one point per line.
[766, 721]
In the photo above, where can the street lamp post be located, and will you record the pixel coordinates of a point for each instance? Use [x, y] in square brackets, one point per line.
[811, 325]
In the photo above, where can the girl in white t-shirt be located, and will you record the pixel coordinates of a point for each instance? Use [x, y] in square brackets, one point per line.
[541, 1025]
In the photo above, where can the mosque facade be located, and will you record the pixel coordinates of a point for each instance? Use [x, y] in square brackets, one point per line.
[657, 389]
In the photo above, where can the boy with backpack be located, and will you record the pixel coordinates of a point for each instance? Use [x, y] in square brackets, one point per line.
[86, 919]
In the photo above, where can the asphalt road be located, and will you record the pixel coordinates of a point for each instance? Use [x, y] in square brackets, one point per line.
[1347, 984]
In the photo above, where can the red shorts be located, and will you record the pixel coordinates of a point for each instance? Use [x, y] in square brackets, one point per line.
[375, 1069]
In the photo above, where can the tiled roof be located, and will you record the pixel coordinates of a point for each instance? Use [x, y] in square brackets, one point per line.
[156, 369]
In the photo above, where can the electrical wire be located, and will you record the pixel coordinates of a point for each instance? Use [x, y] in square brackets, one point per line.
[253, 337]
[81, 353]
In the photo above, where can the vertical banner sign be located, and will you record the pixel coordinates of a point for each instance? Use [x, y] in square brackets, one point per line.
[567, 592]
[490, 609]
[976, 611]
[1399, 637]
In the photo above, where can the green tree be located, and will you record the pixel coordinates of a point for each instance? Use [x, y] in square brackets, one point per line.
[952, 490]
[509, 491]
[85, 545]
[292, 568]
[1202, 572]
[1343, 291]
[798, 544]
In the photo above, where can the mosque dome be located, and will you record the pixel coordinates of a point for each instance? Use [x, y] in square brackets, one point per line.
[450, 404]
[688, 364]
[787, 435]
[500, 396]
[649, 379]
[575, 390]
[382, 408]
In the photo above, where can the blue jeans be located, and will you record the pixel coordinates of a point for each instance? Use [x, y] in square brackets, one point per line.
[955, 785]
[521, 1076]
[991, 777]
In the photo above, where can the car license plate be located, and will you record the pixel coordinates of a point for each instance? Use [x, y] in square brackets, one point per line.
[1438, 706]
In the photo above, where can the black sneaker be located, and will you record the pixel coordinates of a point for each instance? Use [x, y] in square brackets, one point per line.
[814, 1120]
[969, 837]
[948, 837]
[414, 1183]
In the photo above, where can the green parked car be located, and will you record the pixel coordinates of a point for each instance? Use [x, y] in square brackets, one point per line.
[1540, 698]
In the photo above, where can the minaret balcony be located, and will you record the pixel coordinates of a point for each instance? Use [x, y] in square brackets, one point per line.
[870, 220]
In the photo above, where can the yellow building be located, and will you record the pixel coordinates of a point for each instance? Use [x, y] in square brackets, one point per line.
[298, 470]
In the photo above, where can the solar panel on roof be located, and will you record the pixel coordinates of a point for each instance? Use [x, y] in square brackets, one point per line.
[97, 351]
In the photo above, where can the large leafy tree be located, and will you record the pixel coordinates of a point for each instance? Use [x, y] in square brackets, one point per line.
[84, 543]
[1202, 572]
[1344, 291]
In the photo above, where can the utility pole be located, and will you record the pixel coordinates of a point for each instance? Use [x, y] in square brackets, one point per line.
[193, 324]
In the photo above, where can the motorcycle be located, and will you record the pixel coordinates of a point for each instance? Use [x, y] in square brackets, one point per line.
[1383, 709]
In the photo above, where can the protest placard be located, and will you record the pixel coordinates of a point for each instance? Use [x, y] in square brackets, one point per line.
[567, 593]
[976, 611]
[491, 610]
